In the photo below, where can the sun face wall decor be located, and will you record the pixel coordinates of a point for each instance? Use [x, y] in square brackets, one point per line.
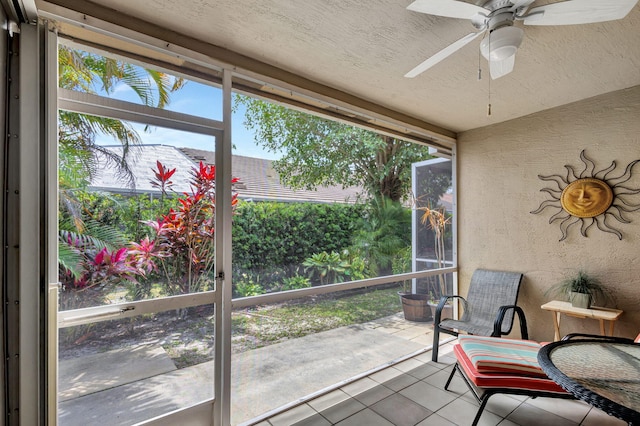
[586, 197]
[591, 197]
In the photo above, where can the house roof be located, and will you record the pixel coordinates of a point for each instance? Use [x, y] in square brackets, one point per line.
[142, 162]
[259, 181]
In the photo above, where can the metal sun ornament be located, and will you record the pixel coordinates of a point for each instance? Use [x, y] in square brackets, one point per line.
[590, 197]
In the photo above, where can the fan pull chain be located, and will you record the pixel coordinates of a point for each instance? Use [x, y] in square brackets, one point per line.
[489, 106]
[479, 66]
[489, 97]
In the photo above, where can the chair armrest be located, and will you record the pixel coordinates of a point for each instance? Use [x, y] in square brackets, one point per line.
[575, 336]
[502, 311]
[443, 301]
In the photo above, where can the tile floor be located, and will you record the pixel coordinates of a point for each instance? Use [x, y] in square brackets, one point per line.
[412, 393]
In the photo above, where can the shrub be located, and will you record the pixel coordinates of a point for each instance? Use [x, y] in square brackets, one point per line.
[330, 268]
[295, 283]
[248, 287]
[92, 261]
[270, 235]
[384, 234]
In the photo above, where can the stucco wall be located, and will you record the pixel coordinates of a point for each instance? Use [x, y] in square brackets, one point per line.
[498, 186]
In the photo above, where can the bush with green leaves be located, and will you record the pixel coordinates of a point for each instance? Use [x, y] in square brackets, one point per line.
[330, 268]
[400, 264]
[248, 286]
[270, 239]
[295, 283]
[385, 233]
[123, 213]
[274, 240]
[273, 235]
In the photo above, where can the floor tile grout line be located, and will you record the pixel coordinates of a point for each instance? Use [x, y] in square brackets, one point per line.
[520, 403]
[440, 367]
[335, 386]
[586, 415]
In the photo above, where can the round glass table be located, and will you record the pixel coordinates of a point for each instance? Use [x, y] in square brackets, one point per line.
[604, 373]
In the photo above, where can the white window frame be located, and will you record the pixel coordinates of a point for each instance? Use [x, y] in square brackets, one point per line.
[217, 410]
[85, 103]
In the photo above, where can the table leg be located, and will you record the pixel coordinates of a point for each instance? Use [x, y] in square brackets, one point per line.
[602, 328]
[556, 326]
[611, 327]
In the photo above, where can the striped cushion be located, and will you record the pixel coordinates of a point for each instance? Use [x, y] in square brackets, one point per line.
[510, 382]
[491, 355]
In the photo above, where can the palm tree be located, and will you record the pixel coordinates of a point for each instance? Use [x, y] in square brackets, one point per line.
[91, 73]
[78, 151]
[387, 231]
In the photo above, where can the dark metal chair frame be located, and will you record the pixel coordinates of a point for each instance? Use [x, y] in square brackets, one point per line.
[504, 314]
[483, 395]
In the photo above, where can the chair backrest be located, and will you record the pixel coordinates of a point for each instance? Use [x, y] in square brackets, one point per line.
[488, 291]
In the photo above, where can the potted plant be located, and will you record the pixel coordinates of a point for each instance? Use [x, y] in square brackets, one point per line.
[417, 307]
[414, 306]
[582, 290]
[437, 221]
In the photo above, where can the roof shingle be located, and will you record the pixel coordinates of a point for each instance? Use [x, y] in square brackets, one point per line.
[259, 181]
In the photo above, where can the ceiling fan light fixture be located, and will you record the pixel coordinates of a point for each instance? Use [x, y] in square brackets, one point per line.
[504, 43]
[497, 18]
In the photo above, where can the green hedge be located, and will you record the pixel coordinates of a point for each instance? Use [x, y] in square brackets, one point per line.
[269, 235]
[265, 234]
[270, 239]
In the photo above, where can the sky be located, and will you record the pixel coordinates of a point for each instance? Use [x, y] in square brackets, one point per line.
[195, 99]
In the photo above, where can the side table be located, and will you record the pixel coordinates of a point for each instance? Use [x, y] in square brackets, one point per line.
[558, 307]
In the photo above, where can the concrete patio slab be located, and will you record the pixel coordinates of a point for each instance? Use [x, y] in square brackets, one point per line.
[93, 373]
[262, 379]
[275, 375]
[135, 402]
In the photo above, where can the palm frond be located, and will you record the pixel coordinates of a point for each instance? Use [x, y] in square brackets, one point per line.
[104, 236]
[92, 234]
[77, 143]
[70, 259]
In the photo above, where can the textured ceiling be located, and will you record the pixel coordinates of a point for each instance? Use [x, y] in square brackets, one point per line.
[364, 47]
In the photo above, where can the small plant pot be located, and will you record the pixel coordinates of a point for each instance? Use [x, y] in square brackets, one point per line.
[416, 307]
[580, 300]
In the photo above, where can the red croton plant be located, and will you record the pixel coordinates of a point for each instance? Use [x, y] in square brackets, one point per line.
[184, 238]
[180, 250]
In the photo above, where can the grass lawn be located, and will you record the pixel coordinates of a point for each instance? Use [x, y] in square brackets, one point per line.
[189, 340]
[260, 326]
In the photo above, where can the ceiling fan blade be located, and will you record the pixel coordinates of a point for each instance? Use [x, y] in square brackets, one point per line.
[498, 69]
[448, 8]
[452, 48]
[572, 12]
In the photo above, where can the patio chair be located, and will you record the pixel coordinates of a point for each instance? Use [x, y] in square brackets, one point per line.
[488, 309]
[490, 366]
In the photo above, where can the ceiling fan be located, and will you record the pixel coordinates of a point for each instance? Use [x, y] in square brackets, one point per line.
[496, 18]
